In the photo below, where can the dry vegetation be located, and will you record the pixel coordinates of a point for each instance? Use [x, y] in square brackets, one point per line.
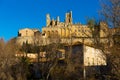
[12, 68]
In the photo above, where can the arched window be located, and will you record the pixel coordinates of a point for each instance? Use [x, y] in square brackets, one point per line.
[44, 32]
[52, 32]
[56, 32]
[48, 33]
[26, 32]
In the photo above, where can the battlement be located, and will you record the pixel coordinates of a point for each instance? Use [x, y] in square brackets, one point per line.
[68, 20]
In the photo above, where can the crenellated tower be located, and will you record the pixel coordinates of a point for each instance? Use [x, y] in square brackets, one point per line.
[48, 20]
[58, 20]
[68, 19]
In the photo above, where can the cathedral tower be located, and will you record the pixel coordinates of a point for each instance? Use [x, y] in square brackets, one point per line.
[48, 20]
[68, 19]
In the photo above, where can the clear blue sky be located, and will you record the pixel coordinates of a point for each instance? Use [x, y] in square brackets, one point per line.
[18, 14]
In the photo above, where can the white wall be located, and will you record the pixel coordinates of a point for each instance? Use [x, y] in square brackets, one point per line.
[93, 57]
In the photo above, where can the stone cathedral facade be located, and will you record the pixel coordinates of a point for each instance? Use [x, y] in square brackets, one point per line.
[66, 29]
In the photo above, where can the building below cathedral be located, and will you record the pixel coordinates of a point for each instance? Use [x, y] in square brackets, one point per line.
[27, 36]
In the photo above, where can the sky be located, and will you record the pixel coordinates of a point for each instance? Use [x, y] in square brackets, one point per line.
[19, 14]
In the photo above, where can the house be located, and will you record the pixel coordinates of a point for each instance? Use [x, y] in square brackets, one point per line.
[27, 35]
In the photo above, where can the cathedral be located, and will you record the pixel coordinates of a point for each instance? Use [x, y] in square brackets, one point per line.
[67, 29]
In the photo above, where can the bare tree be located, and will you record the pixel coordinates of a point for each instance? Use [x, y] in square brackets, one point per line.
[111, 15]
[108, 47]
[111, 12]
[11, 67]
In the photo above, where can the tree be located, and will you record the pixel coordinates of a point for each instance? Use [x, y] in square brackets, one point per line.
[111, 15]
[11, 67]
[7, 59]
[110, 49]
[111, 12]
